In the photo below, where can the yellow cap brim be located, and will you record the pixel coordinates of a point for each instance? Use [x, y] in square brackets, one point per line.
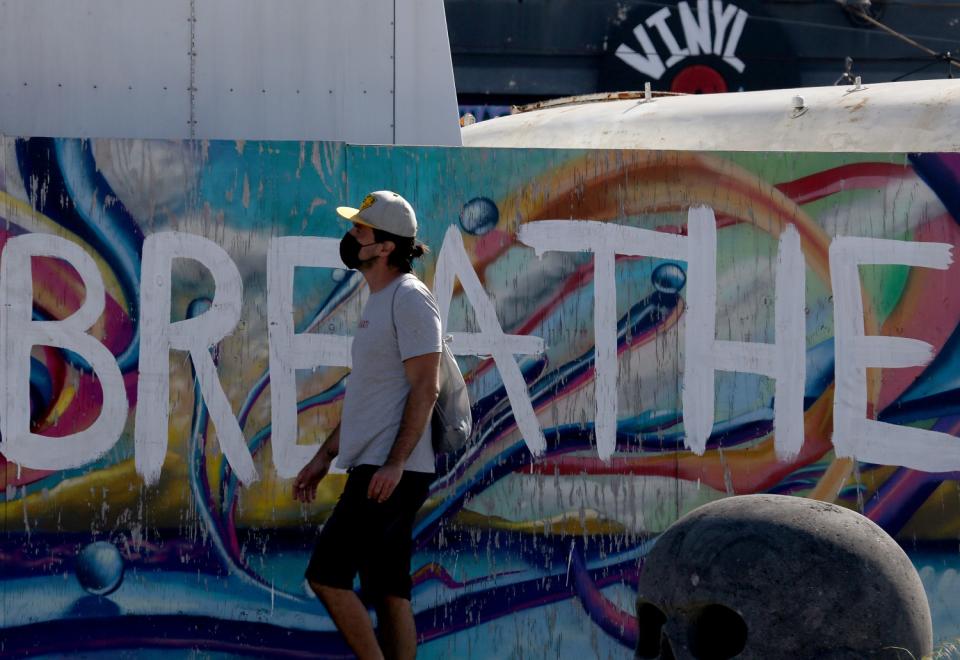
[353, 215]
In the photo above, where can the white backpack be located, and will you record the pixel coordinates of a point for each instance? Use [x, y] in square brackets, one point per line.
[452, 420]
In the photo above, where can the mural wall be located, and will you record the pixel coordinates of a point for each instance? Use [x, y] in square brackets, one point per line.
[175, 337]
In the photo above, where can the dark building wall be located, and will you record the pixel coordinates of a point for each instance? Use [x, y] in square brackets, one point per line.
[511, 51]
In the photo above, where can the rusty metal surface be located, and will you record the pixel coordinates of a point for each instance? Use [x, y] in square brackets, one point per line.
[905, 116]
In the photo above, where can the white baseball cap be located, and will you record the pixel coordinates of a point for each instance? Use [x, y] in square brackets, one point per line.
[385, 210]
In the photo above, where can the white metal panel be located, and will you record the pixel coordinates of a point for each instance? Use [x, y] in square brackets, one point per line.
[94, 68]
[426, 98]
[300, 69]
[296, 69]
[891, 117]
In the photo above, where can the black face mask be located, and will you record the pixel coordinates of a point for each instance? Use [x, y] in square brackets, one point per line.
[350, 251]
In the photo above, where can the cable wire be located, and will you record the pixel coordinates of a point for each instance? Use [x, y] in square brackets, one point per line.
[804, 23]
[860, 13]
[917, 70]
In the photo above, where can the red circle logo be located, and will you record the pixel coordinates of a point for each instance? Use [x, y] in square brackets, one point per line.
[698, 79]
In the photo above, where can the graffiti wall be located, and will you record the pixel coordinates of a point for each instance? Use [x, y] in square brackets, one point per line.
[641, 332]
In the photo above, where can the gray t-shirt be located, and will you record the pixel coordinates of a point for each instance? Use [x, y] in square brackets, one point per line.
[377, 388]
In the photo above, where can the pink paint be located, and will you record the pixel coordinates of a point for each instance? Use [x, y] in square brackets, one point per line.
[857, 176]
[931, 292]
[491, 244]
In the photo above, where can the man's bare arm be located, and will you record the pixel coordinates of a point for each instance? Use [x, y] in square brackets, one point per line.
[423, 375]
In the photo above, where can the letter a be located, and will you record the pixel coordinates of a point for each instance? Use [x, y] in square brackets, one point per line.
[452, 263]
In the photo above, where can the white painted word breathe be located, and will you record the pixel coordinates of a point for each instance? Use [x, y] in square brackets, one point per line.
[719, 37]
[784, 360]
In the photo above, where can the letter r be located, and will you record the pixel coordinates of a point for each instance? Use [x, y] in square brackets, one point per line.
[196, 335]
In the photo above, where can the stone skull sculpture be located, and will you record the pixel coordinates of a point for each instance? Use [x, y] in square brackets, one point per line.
[772, 576]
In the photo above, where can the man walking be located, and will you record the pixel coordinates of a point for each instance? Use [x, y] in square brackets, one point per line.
[383, 438]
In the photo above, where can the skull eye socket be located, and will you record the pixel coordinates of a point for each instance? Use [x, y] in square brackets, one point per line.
[717, 633]
[650, 620]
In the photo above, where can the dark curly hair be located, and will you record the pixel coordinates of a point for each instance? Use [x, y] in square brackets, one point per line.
[406, 250]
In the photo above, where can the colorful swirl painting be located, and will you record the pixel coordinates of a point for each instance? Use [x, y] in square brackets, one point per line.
[174, 338]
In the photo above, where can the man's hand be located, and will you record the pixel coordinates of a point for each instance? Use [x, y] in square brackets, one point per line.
[305, 485]
[384, 482]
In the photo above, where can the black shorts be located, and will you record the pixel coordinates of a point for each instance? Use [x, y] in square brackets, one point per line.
[370, 537]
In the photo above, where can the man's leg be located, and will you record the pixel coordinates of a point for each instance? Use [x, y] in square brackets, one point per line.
[398, 633]
[352, 620]
[385, 581]
[340, 548]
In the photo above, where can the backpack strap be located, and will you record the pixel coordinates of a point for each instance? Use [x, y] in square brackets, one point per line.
[432, 424]
[393, 313]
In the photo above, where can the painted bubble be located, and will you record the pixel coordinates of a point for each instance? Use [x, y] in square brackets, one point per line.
[100, 568]
[479, 215]
[668, 278]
